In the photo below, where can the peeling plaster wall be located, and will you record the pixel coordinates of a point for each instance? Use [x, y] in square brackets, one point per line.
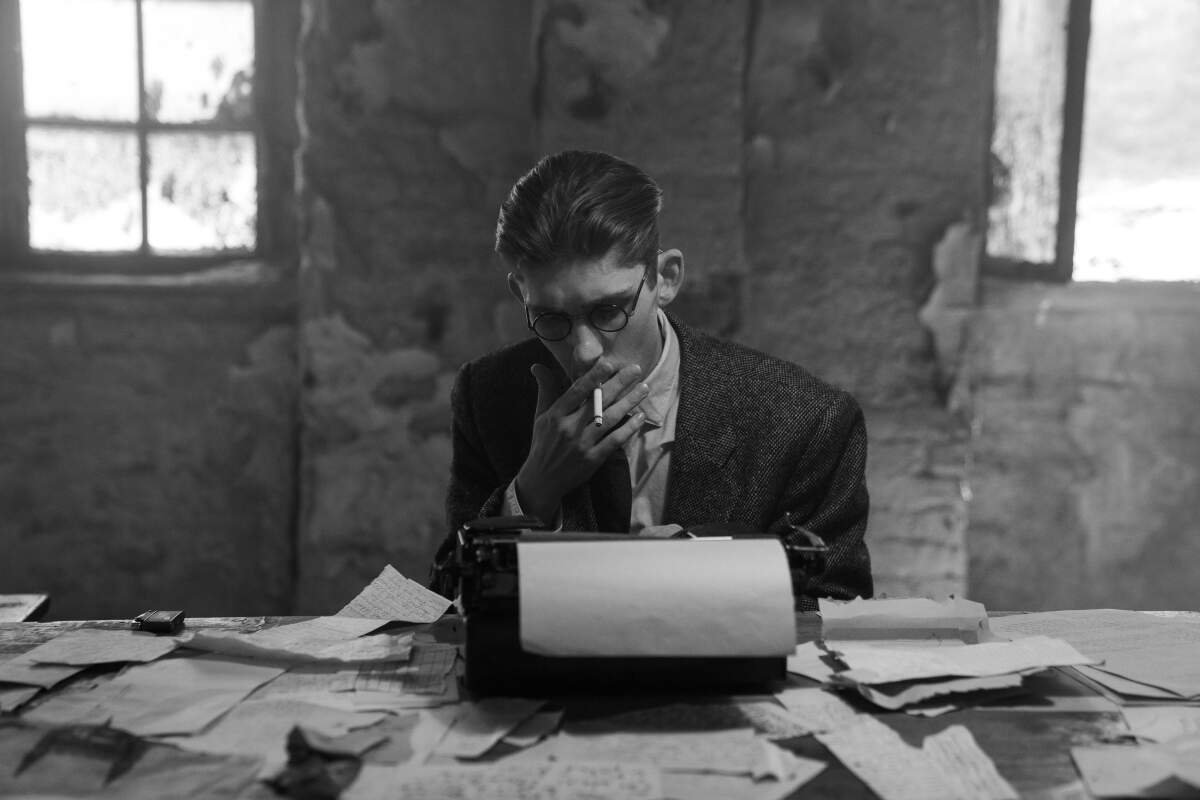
[1086, 449]
[148, 450]
[416, 119]
[811, 154]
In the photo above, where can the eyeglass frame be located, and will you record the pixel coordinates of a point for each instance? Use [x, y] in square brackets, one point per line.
[531, 322]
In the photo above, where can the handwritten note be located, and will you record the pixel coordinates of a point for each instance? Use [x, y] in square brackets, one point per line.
[819, 710]
[393, 597]
[85, 647]
[734, 752]
[949, 766]
[506, 780]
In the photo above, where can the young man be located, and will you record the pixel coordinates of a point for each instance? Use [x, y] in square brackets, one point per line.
[685, 430]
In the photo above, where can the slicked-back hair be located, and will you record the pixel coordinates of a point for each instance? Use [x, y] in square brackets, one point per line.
[578, 205]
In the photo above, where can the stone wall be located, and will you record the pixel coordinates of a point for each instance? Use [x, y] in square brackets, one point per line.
[1086, 449]
[148, 448]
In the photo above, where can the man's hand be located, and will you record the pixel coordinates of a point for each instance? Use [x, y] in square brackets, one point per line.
[567, 446]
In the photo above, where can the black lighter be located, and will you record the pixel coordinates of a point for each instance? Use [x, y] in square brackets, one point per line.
[158, 621]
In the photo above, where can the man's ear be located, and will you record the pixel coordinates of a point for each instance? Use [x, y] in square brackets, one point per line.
[514, 288]
[670, 275]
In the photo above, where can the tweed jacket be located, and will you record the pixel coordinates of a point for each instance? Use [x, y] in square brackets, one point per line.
[755, 438]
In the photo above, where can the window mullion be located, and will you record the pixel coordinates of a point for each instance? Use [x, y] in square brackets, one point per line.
[143, 148]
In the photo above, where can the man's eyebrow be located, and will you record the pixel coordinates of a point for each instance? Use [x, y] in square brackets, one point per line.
[610, 299]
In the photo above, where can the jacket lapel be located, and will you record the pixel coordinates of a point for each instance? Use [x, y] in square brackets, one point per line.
[700, 488]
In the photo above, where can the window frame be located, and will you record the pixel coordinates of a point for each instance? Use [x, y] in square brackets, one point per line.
[1070, 149]
[276, 30]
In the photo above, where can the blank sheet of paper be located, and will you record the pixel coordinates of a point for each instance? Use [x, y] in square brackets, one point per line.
[674, 597]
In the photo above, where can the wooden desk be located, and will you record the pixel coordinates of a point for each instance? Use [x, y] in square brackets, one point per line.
[1030, 748]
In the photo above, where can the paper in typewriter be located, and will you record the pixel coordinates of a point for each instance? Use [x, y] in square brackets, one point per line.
[673, 597]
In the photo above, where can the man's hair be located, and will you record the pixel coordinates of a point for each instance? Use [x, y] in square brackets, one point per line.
[576, 205]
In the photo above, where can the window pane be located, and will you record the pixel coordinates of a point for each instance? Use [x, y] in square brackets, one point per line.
[199, 60]
[83, 190]
[80, 58]
[202, 192]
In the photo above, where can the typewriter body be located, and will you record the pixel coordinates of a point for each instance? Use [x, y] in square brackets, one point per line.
[488, 571]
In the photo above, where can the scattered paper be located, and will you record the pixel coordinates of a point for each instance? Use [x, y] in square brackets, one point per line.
[322, 638]
[676, 597]
[951, 620]
[811, 662]
[391, 597]
[894, 696]
[260, 728]
[1128, 771]
[28, 673]
[869, 664]
[1122, 689]
[1152, 650]
[1162, 723]
[948, 766]
[483, 723]
[425, 680]
[508, 780]
[819, 709]
[534, 729]
[172, 696]
[90, 646]
[733, 752]
[353, 743]
[14, 697]
[713, 786]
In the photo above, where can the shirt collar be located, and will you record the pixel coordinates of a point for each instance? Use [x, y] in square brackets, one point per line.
[663, 380]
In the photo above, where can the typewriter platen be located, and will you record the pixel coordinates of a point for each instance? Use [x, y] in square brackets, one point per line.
[488, 571]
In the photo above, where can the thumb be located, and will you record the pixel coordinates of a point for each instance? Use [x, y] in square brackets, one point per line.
[547, 386]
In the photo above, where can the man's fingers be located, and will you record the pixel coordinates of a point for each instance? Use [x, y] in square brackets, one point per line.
[548, 386]
[582, 388]
[617, 411]
[618, 436]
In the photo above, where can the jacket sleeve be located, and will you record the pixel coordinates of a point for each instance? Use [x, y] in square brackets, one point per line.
[827, 494]
[475, 489]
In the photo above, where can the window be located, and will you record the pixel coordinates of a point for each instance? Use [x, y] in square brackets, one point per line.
[1095, 165]
[144, 135]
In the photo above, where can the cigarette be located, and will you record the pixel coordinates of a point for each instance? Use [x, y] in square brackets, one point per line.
[597, 407]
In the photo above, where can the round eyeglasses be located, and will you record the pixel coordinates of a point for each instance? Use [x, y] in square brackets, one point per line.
[554, 326]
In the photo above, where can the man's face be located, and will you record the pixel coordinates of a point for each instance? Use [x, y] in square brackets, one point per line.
[575, 289]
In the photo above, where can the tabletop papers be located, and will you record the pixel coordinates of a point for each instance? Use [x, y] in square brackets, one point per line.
[593, 780]
[1118, 771]
[482, 724]
[260, 728]
[869, 664]
[948, 766]
[391, 597]
[172, 696]
[1156, 651]
[952, 620]
[91, 646]
[675, 597]
[321, 638]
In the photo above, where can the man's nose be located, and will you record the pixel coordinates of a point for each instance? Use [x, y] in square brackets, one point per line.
[586, 344]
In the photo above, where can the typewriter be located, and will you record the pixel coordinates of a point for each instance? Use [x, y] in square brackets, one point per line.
[487, 566]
